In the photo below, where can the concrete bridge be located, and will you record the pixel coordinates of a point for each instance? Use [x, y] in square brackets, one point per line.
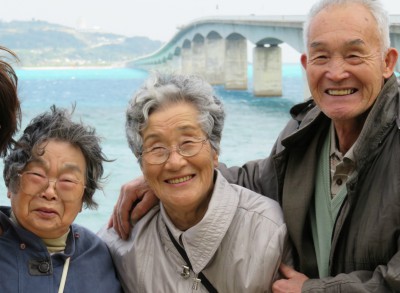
[216, 48]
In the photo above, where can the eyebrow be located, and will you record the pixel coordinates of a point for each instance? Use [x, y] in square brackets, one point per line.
[71, 167]
[38, 161]
[179, 128]
[355, 42]
[67, 166]
[316, 44]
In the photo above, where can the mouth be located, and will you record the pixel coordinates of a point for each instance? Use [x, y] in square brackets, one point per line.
[341, 92]
[46, 212]
[179, 180]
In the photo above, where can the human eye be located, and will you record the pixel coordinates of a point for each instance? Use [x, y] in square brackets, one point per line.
[158, 150]
[319, 58]
[35, 176]
[354, 58]
[189, 145]
[67, 181]
[189, 141]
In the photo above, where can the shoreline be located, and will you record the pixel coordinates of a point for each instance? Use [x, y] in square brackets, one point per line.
[92, 67]
[67, 67]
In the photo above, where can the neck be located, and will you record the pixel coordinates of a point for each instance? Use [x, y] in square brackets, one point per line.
[186, 217]
[348, 132]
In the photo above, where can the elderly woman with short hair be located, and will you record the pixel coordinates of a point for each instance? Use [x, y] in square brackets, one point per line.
[51, 173]
[206, 234]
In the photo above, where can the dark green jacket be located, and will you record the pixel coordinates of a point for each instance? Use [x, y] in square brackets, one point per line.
[365, 254]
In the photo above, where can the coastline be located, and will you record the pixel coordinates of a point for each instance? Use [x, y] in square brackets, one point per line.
[67, 67]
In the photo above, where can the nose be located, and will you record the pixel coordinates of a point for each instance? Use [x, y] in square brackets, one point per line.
[175, 160]
[50, 192]
[337, 69]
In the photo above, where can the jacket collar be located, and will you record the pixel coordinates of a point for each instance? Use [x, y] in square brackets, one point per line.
[26, 237]
[309, 117]
[202, 240]
[383, 114]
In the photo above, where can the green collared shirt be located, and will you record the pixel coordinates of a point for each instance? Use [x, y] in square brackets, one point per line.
[341, 166]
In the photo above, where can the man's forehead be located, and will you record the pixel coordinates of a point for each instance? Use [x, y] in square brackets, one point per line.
[344, 12]
[354, 27]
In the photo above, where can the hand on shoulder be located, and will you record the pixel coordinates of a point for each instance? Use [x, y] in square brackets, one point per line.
[134, 201]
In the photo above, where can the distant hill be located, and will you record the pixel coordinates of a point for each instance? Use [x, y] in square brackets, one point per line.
[39, 43]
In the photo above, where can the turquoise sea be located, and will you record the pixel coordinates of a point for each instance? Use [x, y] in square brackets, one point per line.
[101, 96]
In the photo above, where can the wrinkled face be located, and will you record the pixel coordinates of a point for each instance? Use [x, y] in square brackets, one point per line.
[50, 212]
[181, 183]
[345, 65]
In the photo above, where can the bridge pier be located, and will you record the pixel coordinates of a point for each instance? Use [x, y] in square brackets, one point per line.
[267, 71]
[215, 59]
[186, 59]
[176, 64]
[198, 56]
[235, 62]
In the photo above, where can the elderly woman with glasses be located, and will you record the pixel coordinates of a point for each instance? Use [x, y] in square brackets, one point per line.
[51, 173]
[206, 234]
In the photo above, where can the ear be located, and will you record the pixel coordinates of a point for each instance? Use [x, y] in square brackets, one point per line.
[215, 159]
[303, 60]
[390, 62]
[9, 194]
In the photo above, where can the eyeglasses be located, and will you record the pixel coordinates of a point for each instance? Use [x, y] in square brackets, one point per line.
[33, 183]
[160, 154]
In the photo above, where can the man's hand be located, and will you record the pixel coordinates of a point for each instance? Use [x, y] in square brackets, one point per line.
[134, 201]
[292, 282]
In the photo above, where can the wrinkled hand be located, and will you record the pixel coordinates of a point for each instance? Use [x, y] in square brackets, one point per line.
[134, 201]
[292, 282]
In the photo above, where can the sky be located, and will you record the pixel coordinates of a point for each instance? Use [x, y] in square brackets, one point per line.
[156, 19]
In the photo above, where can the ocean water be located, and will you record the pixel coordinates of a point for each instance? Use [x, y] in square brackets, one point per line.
[101, 96]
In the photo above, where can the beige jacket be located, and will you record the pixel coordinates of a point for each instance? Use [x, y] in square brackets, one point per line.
[238, 246]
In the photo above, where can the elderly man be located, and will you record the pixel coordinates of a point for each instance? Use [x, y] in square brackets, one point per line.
[335, 167]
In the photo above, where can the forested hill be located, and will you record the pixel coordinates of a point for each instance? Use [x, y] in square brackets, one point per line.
[39, 43]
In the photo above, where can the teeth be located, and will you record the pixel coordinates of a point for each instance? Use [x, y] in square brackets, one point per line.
[341, 92]
[179, 180]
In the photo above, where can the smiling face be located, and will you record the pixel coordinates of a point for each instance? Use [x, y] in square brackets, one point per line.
[49, 213]
[183, 184]
[345, 64]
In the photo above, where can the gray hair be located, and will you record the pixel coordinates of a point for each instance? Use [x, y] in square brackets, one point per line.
[374, 6]
[162, 89]
[57, 125]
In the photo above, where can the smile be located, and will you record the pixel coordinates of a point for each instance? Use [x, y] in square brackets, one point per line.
[342, 92]
[180, 180]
